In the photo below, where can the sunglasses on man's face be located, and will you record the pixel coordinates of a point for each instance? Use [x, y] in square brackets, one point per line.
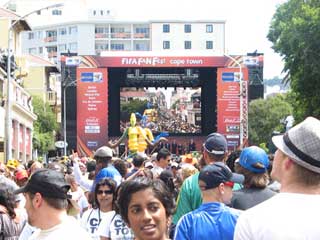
[230, 184]
[106, 192]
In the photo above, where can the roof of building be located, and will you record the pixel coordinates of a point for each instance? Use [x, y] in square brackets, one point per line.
[5, 13]
[39, 61]
[63, 22]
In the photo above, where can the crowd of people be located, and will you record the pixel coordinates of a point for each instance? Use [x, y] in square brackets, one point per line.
[240, 195]
[167, 122]
[174, 124]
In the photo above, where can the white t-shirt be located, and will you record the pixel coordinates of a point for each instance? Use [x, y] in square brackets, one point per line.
[156, 171]
[68, 229]
[114, 227]
[27, 231]
[91, 219]
[80, 199]
[285, 216]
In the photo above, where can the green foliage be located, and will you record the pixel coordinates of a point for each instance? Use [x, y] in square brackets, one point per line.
[44, 127]
[264, 117]
[133, 106]
[295, 34]
[174, 105]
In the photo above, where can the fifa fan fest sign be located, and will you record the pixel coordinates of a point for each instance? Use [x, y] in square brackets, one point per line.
[92, 93]
[228, 103]
[92, 110]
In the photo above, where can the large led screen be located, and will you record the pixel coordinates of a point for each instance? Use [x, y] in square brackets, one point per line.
[173, 110]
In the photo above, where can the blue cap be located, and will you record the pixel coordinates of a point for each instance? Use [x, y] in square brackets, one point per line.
[253, 155]
[216, 144]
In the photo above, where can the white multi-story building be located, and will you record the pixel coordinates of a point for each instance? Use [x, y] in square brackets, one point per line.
[90, 31]
[93, 37]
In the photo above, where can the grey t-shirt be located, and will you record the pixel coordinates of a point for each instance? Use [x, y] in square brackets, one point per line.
[249, 197]
[11, 229]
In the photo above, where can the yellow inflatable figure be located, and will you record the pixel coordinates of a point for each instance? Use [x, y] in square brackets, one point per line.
[138, 138]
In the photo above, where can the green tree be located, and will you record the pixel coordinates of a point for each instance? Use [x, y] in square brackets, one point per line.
[264, 117]
[44, 127]
[295, 34]
[174, 105]
[133, 106]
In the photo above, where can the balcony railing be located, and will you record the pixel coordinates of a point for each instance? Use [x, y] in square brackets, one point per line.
[123, 35]
[52, 54]
[141, 35]
[102, 35]
[22, 97]
[50, 39]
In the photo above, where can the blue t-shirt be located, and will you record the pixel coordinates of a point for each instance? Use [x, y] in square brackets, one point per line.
[209, 221]
[110, 172]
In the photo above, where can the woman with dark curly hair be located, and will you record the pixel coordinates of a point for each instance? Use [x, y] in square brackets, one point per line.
[104, 196]
[11, 220]
[146, 206]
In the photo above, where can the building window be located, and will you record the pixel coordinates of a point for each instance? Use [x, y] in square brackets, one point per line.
[73, 30]
[51, 33]
[209, 45]
[40, 50]
[31, 35]
[101, 12]
[209, 28]
[101, 30]
[39, 35]
[141, 47]
[52, 51]
[117, 46]
[142, 30]
[166, 28]
[94, 12]
[32, 51]
[62, 48]
[62, 31]
[56, 12]
[166, 44]
[187, 44]
[51, 36]
[73, 47]
[101, 46]
[117, 30]
[187, 28]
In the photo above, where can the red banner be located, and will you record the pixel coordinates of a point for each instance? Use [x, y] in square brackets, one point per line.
[21, 138]
[155, 61]
[14, 135]
[92, 109]
[28, 141]
[228, 104]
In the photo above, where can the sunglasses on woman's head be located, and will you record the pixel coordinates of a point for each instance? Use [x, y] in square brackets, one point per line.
[106, 192]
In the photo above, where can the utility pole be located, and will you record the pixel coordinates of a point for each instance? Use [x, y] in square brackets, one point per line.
[8, 120]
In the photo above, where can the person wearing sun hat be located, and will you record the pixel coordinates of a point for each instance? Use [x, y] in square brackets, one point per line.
[213, 219]
[47, 203]
[21, 177]
[293, 213]
[253, 163]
